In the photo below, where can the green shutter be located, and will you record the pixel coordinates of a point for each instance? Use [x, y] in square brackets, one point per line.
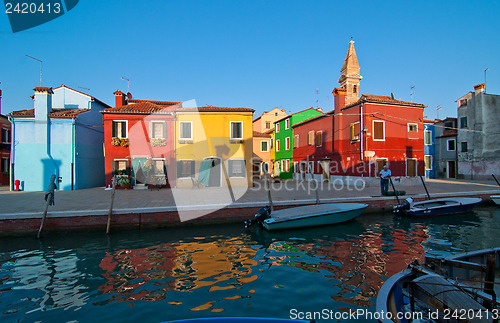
[192, 168]
[113, 129]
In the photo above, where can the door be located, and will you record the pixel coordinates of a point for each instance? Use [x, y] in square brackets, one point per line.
[451, 169]
[411, 167]
[215, 173]
[379, 166]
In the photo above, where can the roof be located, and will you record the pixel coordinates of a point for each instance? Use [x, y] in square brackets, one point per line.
[311, 119]
[60, 113]
[294, 114]
[429, 121]
[215, 109]
[260, 134]
[88, 95]
[142, 107]
[449, 133]
[385, 99]
[43, 89]
[153, 101]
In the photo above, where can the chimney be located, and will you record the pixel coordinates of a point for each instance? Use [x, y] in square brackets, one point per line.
[319, 109]
[339, 97]
[479, 88]
[43, 102]
[119, 98]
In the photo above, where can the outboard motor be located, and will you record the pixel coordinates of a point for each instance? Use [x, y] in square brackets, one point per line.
[405, 206]
[263, 214]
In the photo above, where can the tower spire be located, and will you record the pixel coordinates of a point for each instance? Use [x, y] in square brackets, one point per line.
[349, 75]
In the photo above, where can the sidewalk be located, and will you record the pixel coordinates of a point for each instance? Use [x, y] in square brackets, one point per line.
[96, 201]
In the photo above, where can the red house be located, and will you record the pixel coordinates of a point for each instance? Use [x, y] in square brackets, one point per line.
[313, 150]
[5, 143]
[139, 141]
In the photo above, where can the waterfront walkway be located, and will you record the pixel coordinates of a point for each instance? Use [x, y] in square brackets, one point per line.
[96, 201]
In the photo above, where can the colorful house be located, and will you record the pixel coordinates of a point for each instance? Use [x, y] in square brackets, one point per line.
[214, 147]
[63, 136]
[283, 133]
[4, 147]
[446, 148]
[313, 148]
[429, 149]
[261, 154]
[373, 130]
[265, 122]
[139, 141]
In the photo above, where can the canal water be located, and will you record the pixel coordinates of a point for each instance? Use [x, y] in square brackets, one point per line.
[223, 270]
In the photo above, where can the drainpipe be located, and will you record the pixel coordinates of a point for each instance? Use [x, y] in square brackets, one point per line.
[12, 152]
[73, 148]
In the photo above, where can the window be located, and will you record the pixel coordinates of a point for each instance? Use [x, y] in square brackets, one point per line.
[464, 146]
[5, 135]
[159, 166]
[287, 124]
[412, 127]
[277, 127]
[428, 162]
[272, 143]
[296, 141]
[463, 122]
[427, 137]
[310, 167]
[463, 102]
[236, 129]
[378, 130]
[185, 168]
[287, 165]
[282, 166]
[355, 132]
[448, 126]
[268, 125]
[451, 144]
[158, 130]
[287, 143]
[278, 145]
[295, 167]
[236, 168]
[121, 167]
[319, 138]
[354, 89]
[5, 165]
[264, 146]
[119, 129]
[186, 130]
[310, 138]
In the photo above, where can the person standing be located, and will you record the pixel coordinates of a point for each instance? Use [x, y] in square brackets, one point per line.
[385, 173]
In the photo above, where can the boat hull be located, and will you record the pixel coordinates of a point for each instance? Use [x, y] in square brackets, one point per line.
[311, 215]
[445, 206]
[496, 199]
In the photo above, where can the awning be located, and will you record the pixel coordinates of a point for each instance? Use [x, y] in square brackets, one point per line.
[204, 172]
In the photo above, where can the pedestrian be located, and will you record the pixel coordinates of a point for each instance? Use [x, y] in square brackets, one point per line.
[384, 179]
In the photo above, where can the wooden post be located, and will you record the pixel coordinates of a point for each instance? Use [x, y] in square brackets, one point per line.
[489, 283]
[269, 192]
[395, 192]
[111, 206]
[49, 195]
[426, 191]
[316, 191]
[495, 179]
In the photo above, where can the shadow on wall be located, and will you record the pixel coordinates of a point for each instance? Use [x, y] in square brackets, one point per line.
[50, 167]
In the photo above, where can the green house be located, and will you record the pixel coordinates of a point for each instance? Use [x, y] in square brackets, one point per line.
[283, 136]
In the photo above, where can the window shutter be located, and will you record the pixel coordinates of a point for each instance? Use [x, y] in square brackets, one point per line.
[128, 168]
[164, 126]
[124, 129]
[113, 129]
[192, 168]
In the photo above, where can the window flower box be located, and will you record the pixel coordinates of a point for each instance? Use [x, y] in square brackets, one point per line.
[115, 141]
[158, 142]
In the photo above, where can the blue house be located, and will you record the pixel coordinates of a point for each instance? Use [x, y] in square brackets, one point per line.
[62, 135]
[429, 149]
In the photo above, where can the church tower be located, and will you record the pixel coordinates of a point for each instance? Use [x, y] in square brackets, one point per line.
[349, 75]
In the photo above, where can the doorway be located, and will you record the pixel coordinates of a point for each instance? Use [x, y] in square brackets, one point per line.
[451, 169]
[215, 172]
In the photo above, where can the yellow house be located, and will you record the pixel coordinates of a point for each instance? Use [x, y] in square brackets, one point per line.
[214, 147]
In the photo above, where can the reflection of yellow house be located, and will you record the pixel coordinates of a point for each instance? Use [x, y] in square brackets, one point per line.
[214, 147]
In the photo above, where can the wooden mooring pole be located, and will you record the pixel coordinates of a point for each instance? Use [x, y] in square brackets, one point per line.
[489, 283]
[111, 206]
[269, 192]
[395, 192]
[49, 197]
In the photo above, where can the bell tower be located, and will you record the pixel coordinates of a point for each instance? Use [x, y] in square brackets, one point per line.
[349, 75]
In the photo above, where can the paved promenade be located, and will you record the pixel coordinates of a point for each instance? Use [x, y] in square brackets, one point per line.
[96, 201]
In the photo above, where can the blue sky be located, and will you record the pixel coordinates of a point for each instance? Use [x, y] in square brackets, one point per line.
[257, 54]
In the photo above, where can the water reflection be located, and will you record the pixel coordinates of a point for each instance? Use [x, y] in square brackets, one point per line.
[195, 272]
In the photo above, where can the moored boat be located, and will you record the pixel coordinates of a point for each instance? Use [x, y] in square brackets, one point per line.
[443, 289]
[436, 207]
[308, 215]
[496, 199]
[237, 320]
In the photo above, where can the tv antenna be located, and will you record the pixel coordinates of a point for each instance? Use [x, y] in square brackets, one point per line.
[411, 93]
[317, 98]
[437, 111]
[485, 79]
[36, 59]
[128, 83]
[85, 88]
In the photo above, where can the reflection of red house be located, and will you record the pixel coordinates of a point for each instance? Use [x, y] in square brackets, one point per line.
[139, 140]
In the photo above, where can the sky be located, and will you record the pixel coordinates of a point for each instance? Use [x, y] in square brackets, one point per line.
[257, 54]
